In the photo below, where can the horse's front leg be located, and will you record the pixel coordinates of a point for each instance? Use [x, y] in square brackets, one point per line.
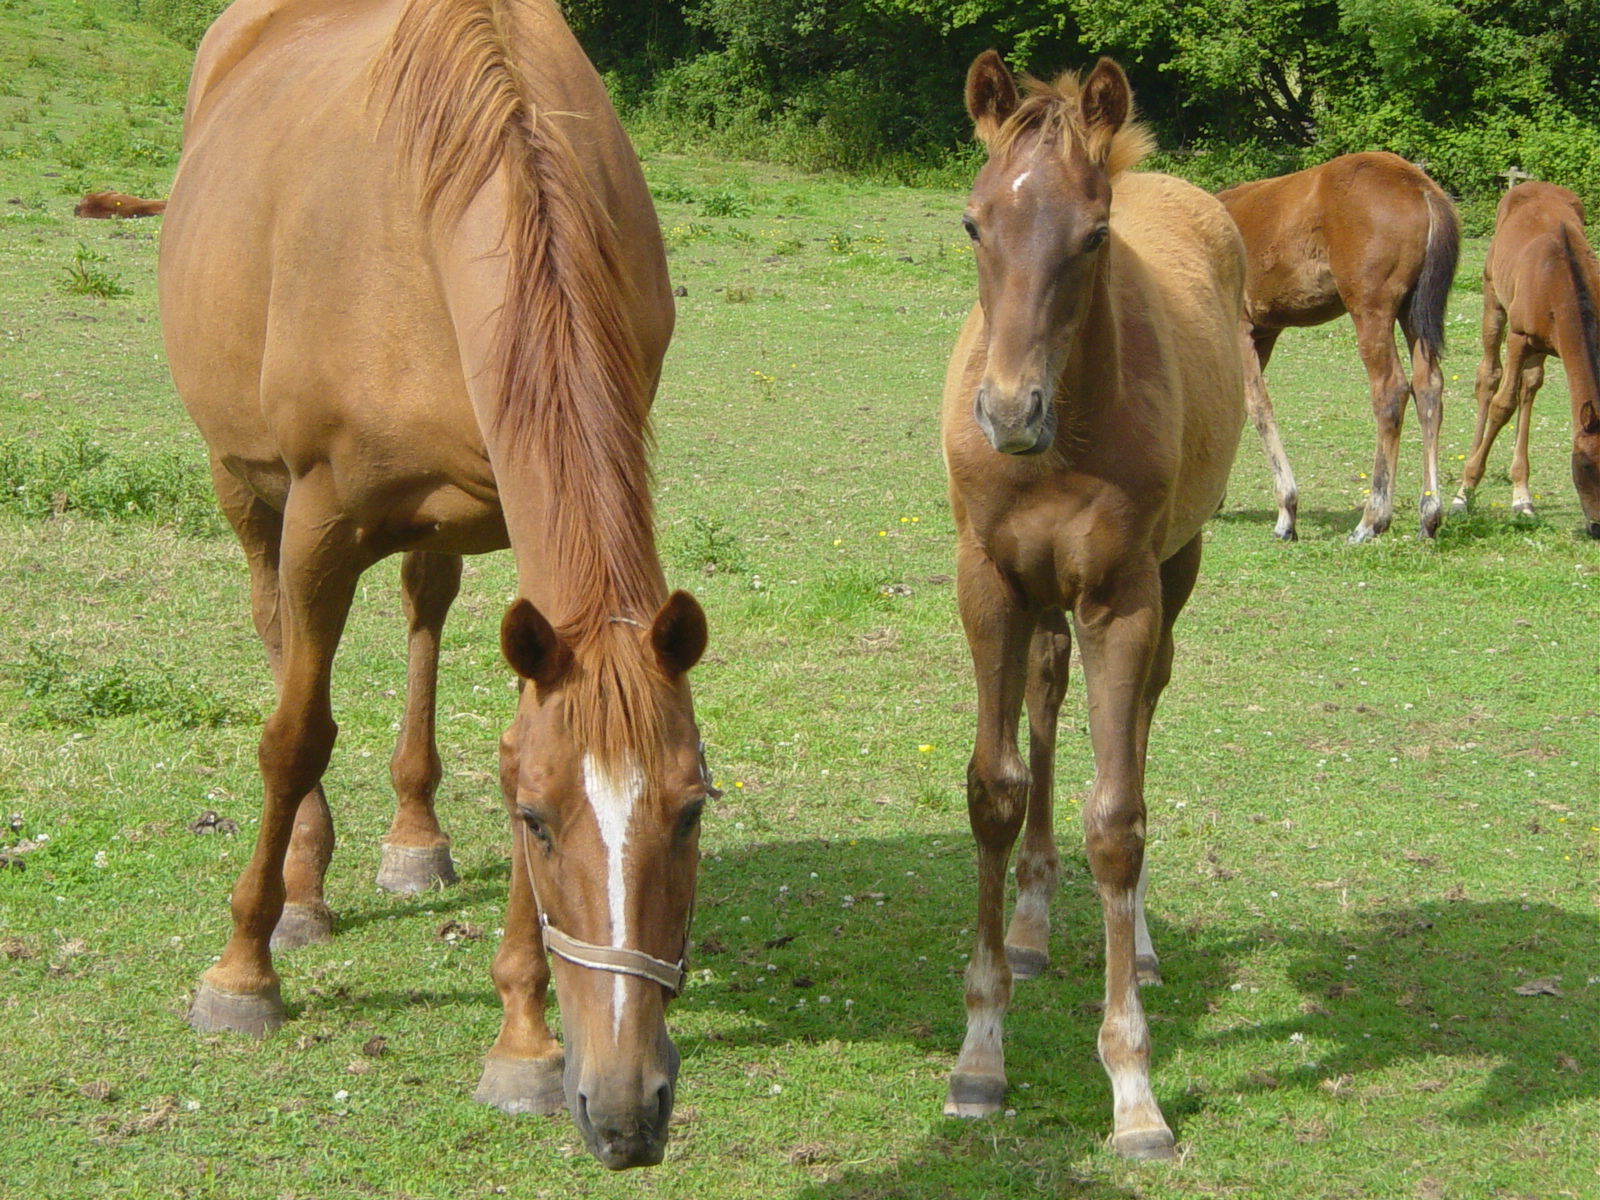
[522, 1073]
[1120, 631]
[1038, 864]
[998, 630]
[416, 852]
[1532, 381]
[1486, 384]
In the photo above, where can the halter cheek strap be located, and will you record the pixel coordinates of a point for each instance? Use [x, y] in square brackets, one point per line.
[615, 959]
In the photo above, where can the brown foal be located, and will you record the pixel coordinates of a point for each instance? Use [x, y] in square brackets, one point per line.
[1091, 412]
[1370, 235]
[1541, 283]
[436, 330]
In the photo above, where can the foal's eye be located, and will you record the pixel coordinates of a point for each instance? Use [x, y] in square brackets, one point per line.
[1096, 238]
[535, 825]
[971, 227]
[689, 818]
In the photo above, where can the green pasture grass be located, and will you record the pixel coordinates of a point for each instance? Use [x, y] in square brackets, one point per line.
[1372, 781]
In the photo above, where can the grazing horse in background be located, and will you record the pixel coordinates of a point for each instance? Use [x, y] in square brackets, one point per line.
[1370, 235]
[1092, 410]
[100, 205]
[1542, 282]
[436, 330]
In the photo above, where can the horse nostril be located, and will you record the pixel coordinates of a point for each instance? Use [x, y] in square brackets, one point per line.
[1036, 409]
[663, 1106]
[1594, 530]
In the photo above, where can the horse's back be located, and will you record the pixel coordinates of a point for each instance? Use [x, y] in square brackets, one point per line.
[1192, 274]
[1539, 257]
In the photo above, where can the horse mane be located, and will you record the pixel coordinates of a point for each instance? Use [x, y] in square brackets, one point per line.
[572, 386]
[1586, 309]
[1054, 111]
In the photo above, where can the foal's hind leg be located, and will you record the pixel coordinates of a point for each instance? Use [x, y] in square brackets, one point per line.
[1427, 393]
[416, 854]
[1389, 388]
[306, 917]
[1255, 347]
[1038, 864]
[1178, 575]
[522, 1073]
[320, 560]
[998, 631]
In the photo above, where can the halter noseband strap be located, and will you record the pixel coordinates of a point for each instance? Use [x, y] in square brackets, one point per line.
[618, 960]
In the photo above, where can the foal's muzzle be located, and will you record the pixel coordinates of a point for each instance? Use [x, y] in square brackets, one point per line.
[1024, 423]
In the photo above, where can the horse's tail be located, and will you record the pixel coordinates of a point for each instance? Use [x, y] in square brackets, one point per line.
[1432, 291]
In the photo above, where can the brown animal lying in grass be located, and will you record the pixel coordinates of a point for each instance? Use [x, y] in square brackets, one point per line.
[115, 204]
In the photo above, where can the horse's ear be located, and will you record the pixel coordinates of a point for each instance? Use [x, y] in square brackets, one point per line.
[678, 634]
[532, 646]
[1588, 418]
[1107, 102]
[991, 95]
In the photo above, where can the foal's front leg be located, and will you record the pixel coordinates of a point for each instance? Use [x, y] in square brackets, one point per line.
[1038, 863]
[1119, 634]
[997, 630]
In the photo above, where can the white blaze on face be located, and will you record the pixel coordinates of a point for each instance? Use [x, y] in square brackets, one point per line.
[1016, 184]
[613, 798]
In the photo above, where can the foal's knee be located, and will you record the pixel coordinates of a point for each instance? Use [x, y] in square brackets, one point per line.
[997, 797]
[1114, 840]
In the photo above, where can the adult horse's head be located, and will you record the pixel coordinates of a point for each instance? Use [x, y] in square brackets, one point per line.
[603, 772]
[1039, 220]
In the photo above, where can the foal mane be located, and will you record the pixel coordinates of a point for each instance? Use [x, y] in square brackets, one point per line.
[1576, 264]
[572, 388]
[1054, 112]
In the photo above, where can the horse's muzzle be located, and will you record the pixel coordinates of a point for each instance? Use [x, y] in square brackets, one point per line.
[1025, 426]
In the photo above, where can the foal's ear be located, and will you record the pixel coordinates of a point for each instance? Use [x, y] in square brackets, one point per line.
[678, 634]
[532, 646]
[1107, 103]
[991, 95]
[1588, 418]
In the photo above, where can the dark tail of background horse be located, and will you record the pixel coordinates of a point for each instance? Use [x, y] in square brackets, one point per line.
[1432, 293]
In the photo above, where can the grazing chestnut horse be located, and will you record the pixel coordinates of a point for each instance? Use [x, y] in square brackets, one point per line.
[436, 330]
[1370, 235]
[100, 205]
[1092, 409]
[1542, 282]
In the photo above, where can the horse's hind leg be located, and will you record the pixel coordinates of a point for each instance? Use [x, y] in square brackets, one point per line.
[306, 917]
[416, 853]
[1389, 388]
[1427, 394]
[1486, 385]
[522, 1073]
[1255, 347]
[1532, 380]
[998, 631]
[1178, 575]
[1038, 864]
[320, 560]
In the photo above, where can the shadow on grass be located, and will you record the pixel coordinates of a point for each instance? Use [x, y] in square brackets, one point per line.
[485, 883]
[1313, 524]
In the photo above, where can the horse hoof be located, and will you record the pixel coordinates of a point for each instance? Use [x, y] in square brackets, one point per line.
[522, 1085]
[254, 1014]
[302, 925]
[1286, 534]
[1362, 533]
[1145, 1145]
[408, 869]
[974, 1095]
[1026, 963]
[1147, 970]
[1522, 510]
[1458, 506]
[1431, 520]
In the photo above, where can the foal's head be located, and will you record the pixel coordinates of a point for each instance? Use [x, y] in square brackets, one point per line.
[1586, 465]
[1039, 220]
[603, 771]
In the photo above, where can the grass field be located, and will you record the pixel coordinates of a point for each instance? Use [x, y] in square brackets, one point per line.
[1372, 782]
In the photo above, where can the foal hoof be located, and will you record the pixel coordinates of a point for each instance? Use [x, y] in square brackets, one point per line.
[1522, 509]
[1147, 970]
[1432, 516]
[409, 869]
[1145, 1145]
[1362, 533]
[1285, 532]
[1459, 505]
[254, 1014]
[1026, 963]
[522, 1085]
[302, 925]
[974, 1095]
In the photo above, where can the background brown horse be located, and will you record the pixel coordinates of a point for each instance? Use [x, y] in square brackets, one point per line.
[1367, 234]
[100, 205]
[1092, 409]
[435, 329]
[1541, 282]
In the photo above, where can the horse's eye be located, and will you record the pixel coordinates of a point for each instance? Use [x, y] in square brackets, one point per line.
[971, 227]
[689, 818]
[535, 825]
[1096, 238]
